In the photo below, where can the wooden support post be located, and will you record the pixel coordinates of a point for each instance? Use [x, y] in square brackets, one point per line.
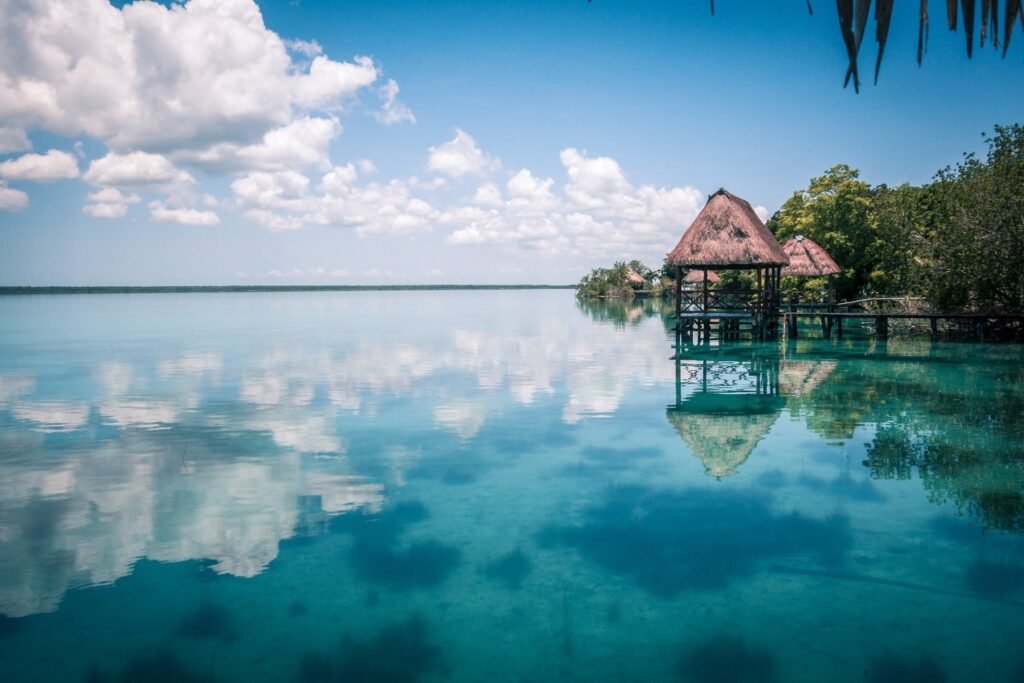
[935, 327]
[839, 327]
[706, 323]
[777, 308]
[979, 329]
[679, 295]
[882, 327]
[793, 328]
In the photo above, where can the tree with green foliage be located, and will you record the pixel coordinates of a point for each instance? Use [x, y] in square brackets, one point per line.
[977, 236]
[834, 211]
[899, 253]
[614, 282]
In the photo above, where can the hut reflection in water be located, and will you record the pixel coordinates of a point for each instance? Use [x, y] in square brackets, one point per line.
[727, 400]
[725, 404]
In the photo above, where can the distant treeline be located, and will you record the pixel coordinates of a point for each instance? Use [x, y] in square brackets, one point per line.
[622, 281]
[261, 288]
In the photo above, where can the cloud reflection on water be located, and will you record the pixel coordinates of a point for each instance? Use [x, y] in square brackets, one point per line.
[206, 456]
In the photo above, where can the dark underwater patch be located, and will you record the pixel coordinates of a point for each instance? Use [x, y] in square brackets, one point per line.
[994, 579]
[510, 569]
[387, 524]
[957, 530]
[726, 658]
[399, 653]
[891, 668]
[298, 608]
[694, 539]
[420, 565]
[316, 668]
[8, 626]
[378, 556]
[162, 667]
[209, 620]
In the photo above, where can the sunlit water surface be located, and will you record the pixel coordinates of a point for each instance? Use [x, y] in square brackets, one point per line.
[496, 486]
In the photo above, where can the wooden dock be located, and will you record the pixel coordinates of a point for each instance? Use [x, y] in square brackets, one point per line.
[976, 326]
[732, 325]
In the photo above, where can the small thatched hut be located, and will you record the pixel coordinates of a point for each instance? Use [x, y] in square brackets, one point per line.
[728, 234]
[807, 258]
[635, 278]
[696, 277]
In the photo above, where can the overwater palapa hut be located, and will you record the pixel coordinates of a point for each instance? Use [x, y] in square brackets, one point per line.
[807, 258]
[728, 235]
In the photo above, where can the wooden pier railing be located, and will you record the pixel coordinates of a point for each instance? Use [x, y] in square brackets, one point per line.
[976, 326]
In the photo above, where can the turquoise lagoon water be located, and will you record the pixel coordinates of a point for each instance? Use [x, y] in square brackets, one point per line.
[496, 486]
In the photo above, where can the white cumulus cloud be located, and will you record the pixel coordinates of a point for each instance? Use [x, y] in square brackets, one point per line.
[392, 111]
[157, 78]
[328, 83]
[54, 165]
[287, 200]
[109, 203]
[596, 213]
[11, 199]
[185, 216]
[169, 88]
[460, 157]
[134, 169]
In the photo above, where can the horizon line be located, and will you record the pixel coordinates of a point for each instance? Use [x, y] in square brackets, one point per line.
[9, 290]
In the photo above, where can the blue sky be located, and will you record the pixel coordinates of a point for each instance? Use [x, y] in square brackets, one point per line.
[461, 142]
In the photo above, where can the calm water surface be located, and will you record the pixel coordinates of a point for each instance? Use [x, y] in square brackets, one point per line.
[496, 486]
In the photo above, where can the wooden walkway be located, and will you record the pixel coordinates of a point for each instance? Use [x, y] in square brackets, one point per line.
[975, 325]
[728, 325]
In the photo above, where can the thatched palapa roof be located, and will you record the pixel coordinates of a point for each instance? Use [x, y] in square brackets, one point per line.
[697, 276]
[727, 234]
[635, 277]
[807, 258]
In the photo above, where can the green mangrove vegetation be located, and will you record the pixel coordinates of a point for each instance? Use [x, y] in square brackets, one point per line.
[954, 242]
[622, 281]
